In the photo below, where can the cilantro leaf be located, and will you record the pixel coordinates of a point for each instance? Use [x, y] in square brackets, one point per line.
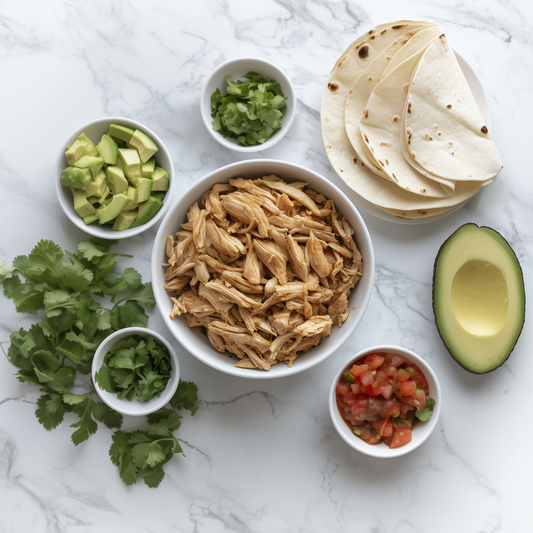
[81, 405]
[120, 453]
[425, 414]
[186, 397]
[103, 413]
[132, 315]
[5, 271]
[50, 410]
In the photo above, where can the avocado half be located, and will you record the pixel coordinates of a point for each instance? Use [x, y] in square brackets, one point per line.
[479, 299]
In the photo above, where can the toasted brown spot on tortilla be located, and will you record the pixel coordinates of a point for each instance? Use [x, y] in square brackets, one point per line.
[449, 106]
[428, 137]
[388, 58]
[440, 133]
[395, 119]
[397, 27]
[381, 163]
[373, 37]
[407, 188]
[422, 190]
[394, 176]
[387, 161]
[326, 119]
[363, 52]
[442, 38]
[372, 149]
[366, 113]
[484, 129]
[366, 138]
[450, 144]
[412, 155]
[409, 107]
[421, 212]
[350, 92]
[384, 144]
[370, 32]
[355, 160]
[342, 60]
[333, 86]
[383, 31]
[370, 78]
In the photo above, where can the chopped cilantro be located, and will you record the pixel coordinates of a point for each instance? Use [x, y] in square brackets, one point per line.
[251, 111]
[425, 414]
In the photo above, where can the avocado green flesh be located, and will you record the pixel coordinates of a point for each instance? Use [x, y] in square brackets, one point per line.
[116, 186]
[478, 298]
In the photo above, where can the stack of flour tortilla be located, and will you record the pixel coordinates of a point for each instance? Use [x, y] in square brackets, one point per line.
[400, 124]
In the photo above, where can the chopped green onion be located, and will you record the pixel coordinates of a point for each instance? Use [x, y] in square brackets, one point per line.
[349, 379]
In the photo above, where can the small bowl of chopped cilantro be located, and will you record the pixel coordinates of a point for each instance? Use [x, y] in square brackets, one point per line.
[135, 371]
[248, 104]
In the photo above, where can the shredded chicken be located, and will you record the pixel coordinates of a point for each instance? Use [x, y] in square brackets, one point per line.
[265, 267]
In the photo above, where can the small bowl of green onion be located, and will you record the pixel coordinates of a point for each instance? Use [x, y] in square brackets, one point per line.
[248, 104]
[135, 371]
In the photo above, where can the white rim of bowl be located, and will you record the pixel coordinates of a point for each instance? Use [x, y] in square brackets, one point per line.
[277, 136]
[480, 96]
[118, 235]
[370, 262]
[396, 452]
[164, 393]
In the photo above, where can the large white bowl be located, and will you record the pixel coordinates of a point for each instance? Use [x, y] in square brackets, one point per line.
[134, 407]
[94, 130]
[198, 344]
[421, 431]
[236, 68]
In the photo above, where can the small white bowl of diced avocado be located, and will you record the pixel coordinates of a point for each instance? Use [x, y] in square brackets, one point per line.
[113, 178]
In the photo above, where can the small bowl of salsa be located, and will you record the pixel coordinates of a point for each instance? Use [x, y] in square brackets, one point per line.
[385, 401]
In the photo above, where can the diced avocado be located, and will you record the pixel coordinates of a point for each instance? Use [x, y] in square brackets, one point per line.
[107, 201]
[147, 168]
[97, 186]
[478, 298]
[120, 144]
[76, 177]
[144, 188]
[121, 132]
[160, 178]
[159, 195]
[108, 212]
[94, 163]
[116, 181]
[125, 220]
[132, 195]
[93, 199]
[130, 163]
[105, 194]
[81, 205]
[147, 211]
[109, 150]
[145, 146]
[89, 219]
[82, 146]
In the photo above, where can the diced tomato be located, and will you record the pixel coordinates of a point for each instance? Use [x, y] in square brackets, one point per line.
[389, 371]
[401, 436]
[374, 360]
[394, 359]
[390, 407]
[402, 375]
[350, 398]
[417, 400]
[342, 389]
[359, 370]
[356, 388]
[420, 379]
[407, 388]
[367, 379]
[387, 390]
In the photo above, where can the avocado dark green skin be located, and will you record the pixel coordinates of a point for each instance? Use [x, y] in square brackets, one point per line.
[433, 299]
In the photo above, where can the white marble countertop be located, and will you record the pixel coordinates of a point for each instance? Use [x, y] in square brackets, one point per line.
[262, 456]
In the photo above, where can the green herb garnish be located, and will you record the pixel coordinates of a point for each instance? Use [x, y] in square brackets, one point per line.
[251, 111]
[136, 367]
[425, 414]
[349, 379]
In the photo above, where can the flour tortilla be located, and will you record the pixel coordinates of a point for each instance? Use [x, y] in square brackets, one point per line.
[444, 132]
[421, 213]
[364, 182]
[381, 129]
[362, 88]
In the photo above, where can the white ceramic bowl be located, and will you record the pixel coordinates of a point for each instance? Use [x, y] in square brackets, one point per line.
[421, 431]
[481, 99]
[134, 407]
[94, 130]
[236, 68]
[198, 344]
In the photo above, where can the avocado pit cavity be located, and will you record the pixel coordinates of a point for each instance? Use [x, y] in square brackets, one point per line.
[480, 298]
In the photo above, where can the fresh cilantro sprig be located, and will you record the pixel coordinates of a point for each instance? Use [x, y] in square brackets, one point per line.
[425, 414]
[142, 454]
[49, 353]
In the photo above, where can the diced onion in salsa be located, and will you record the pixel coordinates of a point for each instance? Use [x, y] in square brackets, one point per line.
[381, 396]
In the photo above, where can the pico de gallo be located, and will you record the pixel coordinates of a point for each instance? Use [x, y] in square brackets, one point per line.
[381, 397]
